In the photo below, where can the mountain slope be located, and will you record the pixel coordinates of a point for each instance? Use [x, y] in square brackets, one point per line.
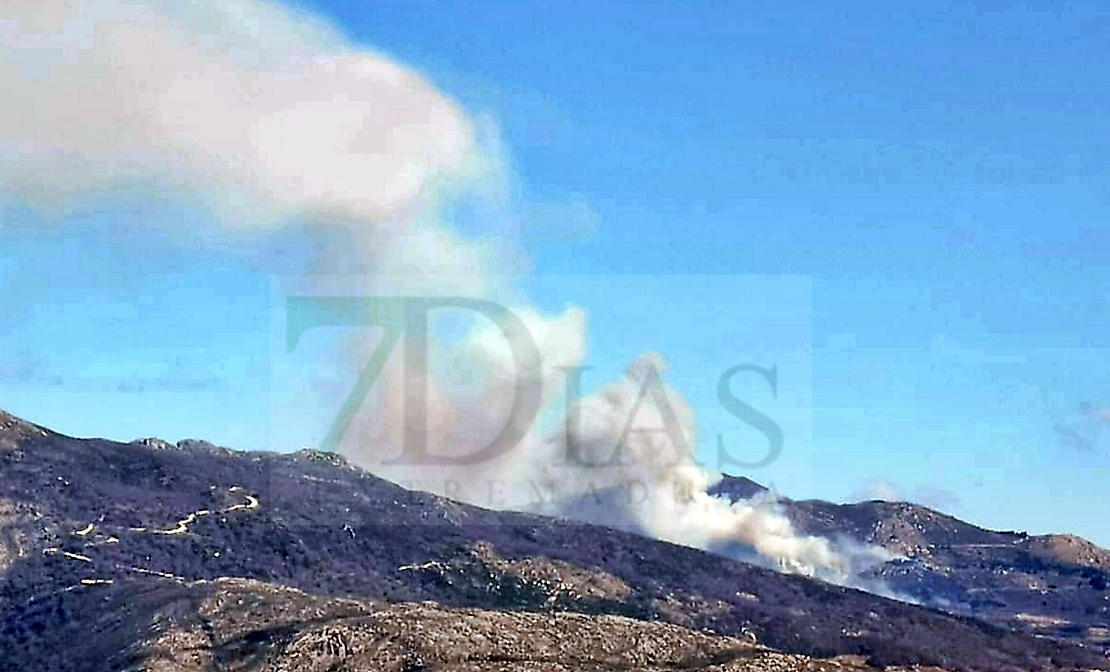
[94, 535]
[236, 624]
[1049, 585]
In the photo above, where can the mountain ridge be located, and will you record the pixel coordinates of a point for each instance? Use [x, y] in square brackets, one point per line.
[91, 530]
[1053, 584]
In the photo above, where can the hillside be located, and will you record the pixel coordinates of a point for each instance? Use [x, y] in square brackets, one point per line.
[150, 555]
[1053, 585]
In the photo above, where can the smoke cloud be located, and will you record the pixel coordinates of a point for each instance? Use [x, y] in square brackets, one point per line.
[624, 457]
[261, 112]
[270, 118]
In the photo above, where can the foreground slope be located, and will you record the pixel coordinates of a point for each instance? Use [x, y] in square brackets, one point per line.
[239, 624]
[96, 537]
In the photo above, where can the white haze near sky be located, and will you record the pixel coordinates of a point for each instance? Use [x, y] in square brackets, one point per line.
[270, 118]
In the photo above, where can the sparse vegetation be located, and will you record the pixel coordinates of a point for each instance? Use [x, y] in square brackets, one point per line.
[136, 588]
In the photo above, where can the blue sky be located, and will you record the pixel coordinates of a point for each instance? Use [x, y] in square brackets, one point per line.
[936, 178]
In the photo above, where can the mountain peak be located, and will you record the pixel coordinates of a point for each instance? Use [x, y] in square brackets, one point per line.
[13, 430]
[735, 488]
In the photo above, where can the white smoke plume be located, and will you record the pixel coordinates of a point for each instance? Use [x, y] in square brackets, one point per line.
[270, 118]
[631, 464]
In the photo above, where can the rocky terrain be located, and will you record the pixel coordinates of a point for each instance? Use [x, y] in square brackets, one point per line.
[1048, 585]
[239, 624]
[159, 556]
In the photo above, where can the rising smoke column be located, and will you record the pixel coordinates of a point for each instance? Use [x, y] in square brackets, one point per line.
[633, 466]
[270, 119]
